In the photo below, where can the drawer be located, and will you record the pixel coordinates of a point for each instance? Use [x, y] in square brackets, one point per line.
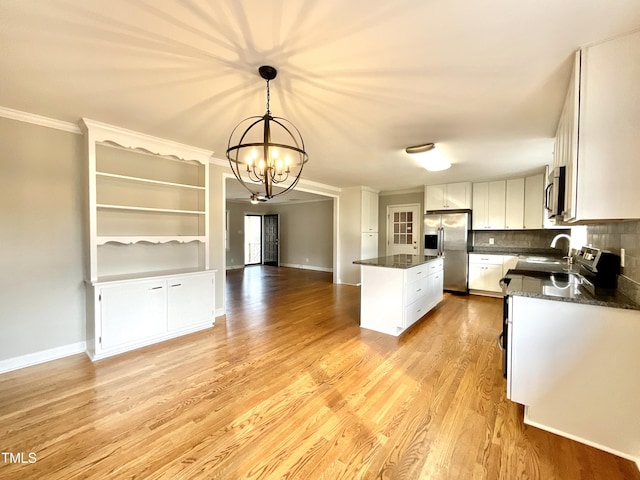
[435, 266]
[417, 273]
[416, 311]
[416, 289]
[485, 259]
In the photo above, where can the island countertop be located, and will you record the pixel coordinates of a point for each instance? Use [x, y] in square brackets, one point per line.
[397, 261]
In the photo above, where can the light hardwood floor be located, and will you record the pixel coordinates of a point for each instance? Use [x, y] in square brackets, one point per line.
[288, 386]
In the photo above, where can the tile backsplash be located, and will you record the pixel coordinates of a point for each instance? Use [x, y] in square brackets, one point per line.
[613, 237]
[519, 238]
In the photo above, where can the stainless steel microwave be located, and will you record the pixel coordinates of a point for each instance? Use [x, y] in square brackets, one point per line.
[554, 193]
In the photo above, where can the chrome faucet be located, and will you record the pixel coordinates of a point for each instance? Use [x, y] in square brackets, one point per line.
[568, 256]
[557, 237]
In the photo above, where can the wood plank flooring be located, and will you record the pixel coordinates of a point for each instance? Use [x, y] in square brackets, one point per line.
[288, 386]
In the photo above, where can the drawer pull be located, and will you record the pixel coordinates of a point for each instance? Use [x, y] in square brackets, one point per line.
[419, 290]
[155, 288]
[176, 285]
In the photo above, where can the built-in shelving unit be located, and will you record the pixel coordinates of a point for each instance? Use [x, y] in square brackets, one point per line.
[148, 271]
[144, 192]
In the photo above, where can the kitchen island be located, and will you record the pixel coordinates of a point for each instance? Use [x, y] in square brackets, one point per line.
[398, 290]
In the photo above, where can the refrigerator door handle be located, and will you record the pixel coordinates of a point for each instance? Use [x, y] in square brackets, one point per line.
[440, 241]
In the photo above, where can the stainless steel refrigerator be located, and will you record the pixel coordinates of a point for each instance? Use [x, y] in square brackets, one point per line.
[447, 234]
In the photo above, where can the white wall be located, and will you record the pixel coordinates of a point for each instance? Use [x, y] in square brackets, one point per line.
[42, 304]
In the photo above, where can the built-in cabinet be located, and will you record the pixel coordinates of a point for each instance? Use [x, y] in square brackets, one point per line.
[597, 137]
[393, 299]
[148, 239]
[450, 196]
[513, 204]
[132, 313]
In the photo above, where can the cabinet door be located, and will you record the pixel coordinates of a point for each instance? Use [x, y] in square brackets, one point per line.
[369, 246]
[132, 312]
[480, 205]
[369, 218]
[534, 202]
[434, 197]
[476, 277]
[515, 204]
[608, 167]
[492, 276]
[190, 301]
[435, 288]
[566, 146]
[458, 195]
[496, 205]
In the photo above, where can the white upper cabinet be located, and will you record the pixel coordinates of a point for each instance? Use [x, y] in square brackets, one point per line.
[369, 217]
[534, 202]
[489, 202]
[450, 196]
[514, 209]
[600, 145]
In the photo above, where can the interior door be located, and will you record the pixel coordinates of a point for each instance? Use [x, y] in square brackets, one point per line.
[403, 231]
[271, 240]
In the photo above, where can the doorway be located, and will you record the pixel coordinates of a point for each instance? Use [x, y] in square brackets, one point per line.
[262, 239]
[403, 229]
[271, 240]
[252, 239]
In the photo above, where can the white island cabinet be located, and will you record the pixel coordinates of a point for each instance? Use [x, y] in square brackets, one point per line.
[398, 290]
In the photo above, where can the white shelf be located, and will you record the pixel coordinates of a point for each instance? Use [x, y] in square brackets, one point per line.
[148, 181]
[130, 239]
[149, 209]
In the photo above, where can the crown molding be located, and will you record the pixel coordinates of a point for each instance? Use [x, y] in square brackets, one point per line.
[39, 120]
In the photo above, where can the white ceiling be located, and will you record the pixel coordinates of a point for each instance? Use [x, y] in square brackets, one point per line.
[362, 80]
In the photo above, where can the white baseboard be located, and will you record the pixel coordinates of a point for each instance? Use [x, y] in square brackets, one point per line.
[307, 267]
[604, 448]
[234, 267]
[43, 356]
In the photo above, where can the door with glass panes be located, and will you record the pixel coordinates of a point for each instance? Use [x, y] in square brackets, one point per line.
[403, 229]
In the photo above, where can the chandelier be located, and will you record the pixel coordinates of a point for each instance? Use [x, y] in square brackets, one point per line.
[266, 151]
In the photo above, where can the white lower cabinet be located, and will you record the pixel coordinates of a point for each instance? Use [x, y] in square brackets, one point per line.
[190, 302]
[574, 367]
[393, 299]
[131, 313]
[485, 272]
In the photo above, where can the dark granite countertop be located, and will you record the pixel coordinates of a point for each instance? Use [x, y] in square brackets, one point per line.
[563, 286]
[397, 261]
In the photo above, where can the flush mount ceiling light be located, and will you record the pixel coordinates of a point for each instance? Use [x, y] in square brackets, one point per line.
[264, 151]
[428, 157]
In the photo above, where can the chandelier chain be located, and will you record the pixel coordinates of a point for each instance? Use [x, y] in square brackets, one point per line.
[268, 98]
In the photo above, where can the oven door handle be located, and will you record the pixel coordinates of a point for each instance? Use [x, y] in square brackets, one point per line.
[500, 342]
